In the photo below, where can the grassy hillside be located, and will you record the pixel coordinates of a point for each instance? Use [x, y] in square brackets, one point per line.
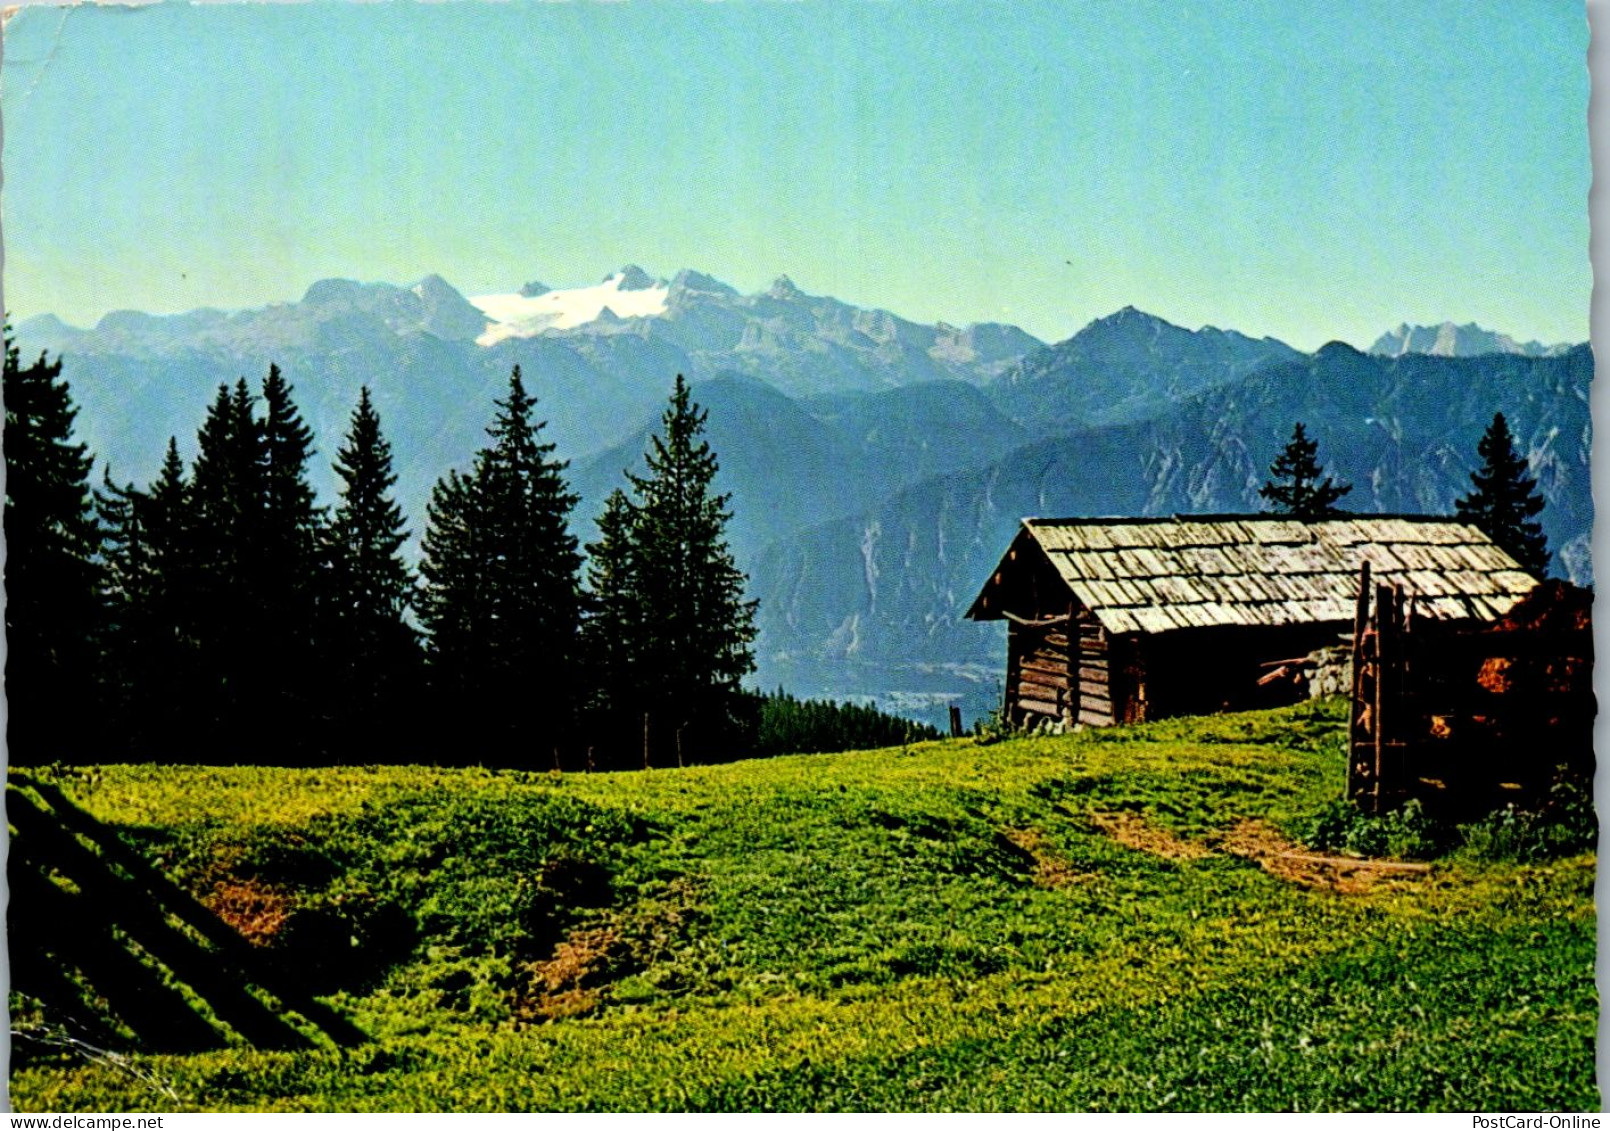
[1111, 920]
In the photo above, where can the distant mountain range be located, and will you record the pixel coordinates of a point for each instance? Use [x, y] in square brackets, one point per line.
[1448, 340]
[877, 466]
[435, 360]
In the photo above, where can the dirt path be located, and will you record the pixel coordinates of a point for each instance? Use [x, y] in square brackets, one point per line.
[1264, 845]
[1134, 831]
[1287, 860]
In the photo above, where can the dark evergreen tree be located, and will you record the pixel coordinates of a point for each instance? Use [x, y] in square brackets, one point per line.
[129, 578]
[373, 651]
[1505, 502]
[167, 673]
[225, 504]
[615, 606]
[168, 528]
[501, 601]
[254, 534]
[53, 607]
[452, 602]
[226, 488]
[148, 645]
[1295, 487]
[291, 522]
[678, 604]
[289, 680]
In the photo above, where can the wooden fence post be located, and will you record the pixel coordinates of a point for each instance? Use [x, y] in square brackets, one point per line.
[1385, 644]
[955, 721]
[1357, 732]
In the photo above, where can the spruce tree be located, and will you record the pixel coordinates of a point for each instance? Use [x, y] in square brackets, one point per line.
[289, 680]
[226, 488]
[128, 579]
[1505, 502]
[373, 649]
[615, 607]
[452, 602]
[168, 534]
[502, 602]
[682, 613]
[1295, 487]
[254, 532]
[291, 522]
[53, 606]
[126, 569]
[168, 673]
[225, 501]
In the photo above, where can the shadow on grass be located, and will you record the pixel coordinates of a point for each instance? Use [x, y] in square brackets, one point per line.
[121, 955]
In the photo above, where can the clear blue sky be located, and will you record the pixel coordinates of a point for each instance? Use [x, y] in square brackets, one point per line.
[1308, 170]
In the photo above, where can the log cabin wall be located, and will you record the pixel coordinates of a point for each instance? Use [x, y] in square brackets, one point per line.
[1040, 684]
[1095, 706]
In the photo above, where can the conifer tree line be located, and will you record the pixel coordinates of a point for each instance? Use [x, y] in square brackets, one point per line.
[220, 613]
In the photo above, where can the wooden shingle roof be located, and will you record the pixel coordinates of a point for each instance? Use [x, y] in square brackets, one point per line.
[1158, 574]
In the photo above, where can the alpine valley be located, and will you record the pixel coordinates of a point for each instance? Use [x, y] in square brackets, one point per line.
[876, 466]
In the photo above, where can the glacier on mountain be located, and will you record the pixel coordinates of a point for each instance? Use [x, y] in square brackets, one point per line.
[525, 316]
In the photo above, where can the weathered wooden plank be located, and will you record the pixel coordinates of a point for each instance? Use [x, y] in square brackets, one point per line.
[1093, 719]
[1039, 708]
[1096, 676]
[1056, 639]
[1058, 666]
[1039, 694]
[1044, 695]
[1044, 679]
[1097, 695]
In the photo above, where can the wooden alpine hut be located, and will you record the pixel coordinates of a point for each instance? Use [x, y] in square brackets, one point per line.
[1116, 620]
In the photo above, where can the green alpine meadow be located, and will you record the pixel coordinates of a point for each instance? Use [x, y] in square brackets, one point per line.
[1171, 916]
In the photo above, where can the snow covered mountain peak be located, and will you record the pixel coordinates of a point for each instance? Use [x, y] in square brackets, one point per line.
[628, 293]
